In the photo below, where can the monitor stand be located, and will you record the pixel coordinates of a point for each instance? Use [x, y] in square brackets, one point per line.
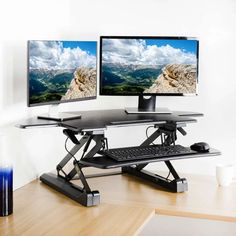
[147, 105]
[53, 114]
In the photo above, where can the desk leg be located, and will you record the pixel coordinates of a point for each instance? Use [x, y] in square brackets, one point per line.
[176, 185]
[62, 182]
[71, 190]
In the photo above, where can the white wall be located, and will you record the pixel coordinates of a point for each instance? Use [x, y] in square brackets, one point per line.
[213, 22]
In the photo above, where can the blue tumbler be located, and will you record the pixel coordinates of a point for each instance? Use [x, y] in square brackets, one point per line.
[6, 190]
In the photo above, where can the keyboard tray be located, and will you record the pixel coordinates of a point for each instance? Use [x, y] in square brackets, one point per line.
[104, 162]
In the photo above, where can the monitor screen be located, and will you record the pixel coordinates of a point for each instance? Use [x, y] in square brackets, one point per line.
[148, 65]
[61, 71]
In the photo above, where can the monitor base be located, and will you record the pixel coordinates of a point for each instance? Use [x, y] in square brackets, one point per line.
[61, 116]
[159, 110]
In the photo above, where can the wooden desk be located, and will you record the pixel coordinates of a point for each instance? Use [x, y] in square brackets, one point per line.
[204, 199]
[126, 205]
[39, 210]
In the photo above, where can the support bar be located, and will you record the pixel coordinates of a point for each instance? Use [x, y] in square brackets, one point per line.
[176, 185]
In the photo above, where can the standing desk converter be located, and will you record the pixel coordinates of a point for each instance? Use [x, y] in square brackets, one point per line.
[92, 126]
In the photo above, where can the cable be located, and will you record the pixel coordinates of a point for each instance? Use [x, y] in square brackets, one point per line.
[151, 126]
[168, 175]
[68, 150]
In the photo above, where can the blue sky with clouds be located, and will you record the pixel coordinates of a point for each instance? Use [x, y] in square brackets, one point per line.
[61, 54]
[149, 51]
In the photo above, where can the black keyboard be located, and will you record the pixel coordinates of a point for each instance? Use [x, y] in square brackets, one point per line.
[144, 152]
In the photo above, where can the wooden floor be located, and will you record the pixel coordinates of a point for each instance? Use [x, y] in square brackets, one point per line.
[126, 205]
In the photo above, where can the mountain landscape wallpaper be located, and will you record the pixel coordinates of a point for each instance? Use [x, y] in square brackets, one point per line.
[134, 66]
[61, 70]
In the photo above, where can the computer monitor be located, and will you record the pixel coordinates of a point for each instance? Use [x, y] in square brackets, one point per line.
[59, 72]
[148, 66]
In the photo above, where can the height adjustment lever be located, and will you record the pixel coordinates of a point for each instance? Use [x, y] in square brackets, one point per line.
[71, 135]
[182, 131]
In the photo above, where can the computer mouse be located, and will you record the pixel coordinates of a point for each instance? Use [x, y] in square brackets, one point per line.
[200, 147]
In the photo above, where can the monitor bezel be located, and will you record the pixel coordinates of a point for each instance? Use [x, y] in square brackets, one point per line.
[147, 37]
[61, 101]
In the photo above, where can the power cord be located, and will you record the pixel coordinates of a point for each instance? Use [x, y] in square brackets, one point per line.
[147, 136]
[68, 150]
[168, 175]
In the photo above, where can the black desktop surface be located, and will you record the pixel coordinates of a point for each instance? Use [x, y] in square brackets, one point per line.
[101, 119]
[35, 122]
